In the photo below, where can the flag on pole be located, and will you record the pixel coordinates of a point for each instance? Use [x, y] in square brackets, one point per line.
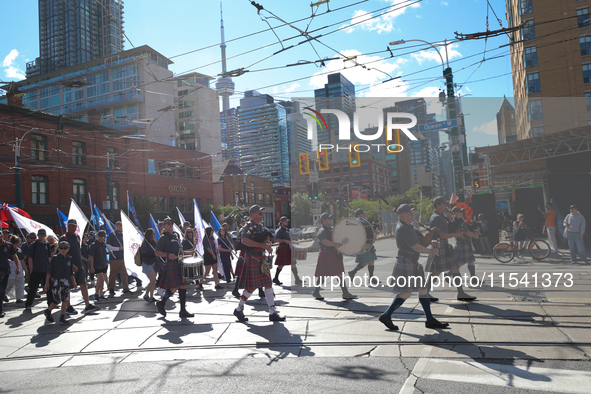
[154, 226]
[98, 219]
[63, 218]
[109, 227]
[215, 224]
[81, 220]
[199, 228]
[181, 217]
[179, 232]
[131, 210]
[30, 225]
[132, 240]
[92, 213]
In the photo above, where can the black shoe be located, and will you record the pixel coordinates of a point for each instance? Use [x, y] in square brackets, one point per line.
[63, 321]
[432, 299]
[218, 287]
[71, 311]
[388, 323]
[2, 314]
[127, 291]
[236, 293]
[146, 298]
[111, 293]
[276, 281]
[298, 282]
[48, 316]
[349, 296]
[6, 299]
[89, 308]
[200, 287]
[465, 297]
[37, 295]
[160, 306]
[316, 294]
[184, 313]
[261, 293]
[240, 316]
[435, 324]
[276, 317]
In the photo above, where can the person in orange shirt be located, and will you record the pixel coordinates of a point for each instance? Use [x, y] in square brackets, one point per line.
[550, 215]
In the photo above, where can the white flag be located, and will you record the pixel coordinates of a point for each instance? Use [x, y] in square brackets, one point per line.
[81, 220]
[132, 240]
[181, 217]
[30, 225]
[199, 229]
[179, 232]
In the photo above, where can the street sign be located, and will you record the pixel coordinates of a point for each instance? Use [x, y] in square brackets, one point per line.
[446, 124]
[313, 177]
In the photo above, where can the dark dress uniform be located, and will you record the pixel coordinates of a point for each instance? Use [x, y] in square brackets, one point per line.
[283, 250]
[408, 274]
[445, 261]
[76, 253]
[463, 251]
[250, 276]
[330, 261]
[171, 276]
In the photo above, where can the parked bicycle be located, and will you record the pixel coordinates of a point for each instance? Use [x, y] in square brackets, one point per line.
[505, 252]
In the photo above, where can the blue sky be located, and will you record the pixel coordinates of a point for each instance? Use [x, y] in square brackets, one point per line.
[180, 26]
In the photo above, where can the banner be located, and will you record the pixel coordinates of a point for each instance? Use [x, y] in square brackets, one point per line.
[98, 217]
[63, 218]
[181, 217]
[131, 210]
[199, 229]
[30, 225]
[81, 220]
[154, 226]
[179, 232]
[93, 221]
[215, 224]
[132, 240]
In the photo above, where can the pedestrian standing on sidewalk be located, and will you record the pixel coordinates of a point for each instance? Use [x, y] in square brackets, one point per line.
[7, 252]
[98, 264]
[407, 274]
[519, 228]
[550, 224]
[575, 223]
[60, 280]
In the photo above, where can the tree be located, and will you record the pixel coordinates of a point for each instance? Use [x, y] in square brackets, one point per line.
[143, 207]
[301, 212]
[371, 208]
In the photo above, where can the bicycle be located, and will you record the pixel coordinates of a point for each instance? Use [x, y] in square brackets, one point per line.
[538, 249]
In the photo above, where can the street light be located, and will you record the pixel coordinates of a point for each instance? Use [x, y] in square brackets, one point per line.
[17, 167]
[459, 157]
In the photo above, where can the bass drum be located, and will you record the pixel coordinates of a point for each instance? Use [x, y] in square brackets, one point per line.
[356, 235]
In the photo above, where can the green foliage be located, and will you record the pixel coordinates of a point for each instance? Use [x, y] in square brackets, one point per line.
[301, 210]
[413, 198]
[227, 214]
[143, 207]
[371, 208]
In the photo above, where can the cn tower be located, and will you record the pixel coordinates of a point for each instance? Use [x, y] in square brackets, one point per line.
[224, 85]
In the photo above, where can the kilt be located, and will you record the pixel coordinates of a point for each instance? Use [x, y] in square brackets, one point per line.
[283, 255]
[366, 257]
[463, 253]
[239, 265]
[442, 263]
[251, 276]
[330, 263]
[407, 276]
[171, 275]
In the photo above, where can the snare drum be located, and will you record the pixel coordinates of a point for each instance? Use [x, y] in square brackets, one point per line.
[299, 252]
[192, 268]
[355, 234]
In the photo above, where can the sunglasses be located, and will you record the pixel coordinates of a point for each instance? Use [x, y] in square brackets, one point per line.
[64, 248]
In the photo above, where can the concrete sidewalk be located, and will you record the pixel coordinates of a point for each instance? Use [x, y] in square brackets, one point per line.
[504, 323]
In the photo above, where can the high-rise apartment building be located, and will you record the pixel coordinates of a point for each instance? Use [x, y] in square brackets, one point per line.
[262, 140]
[551, 65]
[72, 32]
[297, 130]
[229, 131]
[338, 93]
[506, 122]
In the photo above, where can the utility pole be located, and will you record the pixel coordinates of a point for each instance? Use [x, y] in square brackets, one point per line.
[458, 140]
[109, 186]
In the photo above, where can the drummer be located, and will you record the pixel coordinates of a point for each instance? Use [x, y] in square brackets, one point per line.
[330, 261]
[407, 273]
[365, 259]
[283, 251]
[171, 277]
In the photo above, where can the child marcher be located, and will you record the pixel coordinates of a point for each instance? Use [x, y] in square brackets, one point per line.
[60, 279]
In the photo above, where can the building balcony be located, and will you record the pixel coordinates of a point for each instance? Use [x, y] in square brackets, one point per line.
[88, 104]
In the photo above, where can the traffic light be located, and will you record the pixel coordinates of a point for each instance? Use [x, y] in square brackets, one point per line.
[323, 159]
[476, 182]
[304, 164]
[354, 159]
[395, 142]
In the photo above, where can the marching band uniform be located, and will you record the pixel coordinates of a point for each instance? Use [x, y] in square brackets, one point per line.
[284, 252]
[463, 253]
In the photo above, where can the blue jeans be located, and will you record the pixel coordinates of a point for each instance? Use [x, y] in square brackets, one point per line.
[576, 244]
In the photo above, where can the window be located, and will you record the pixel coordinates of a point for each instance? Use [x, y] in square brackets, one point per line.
[165, 169]
[261, 198]
[186, 114]
[528, 31]
[183, 203]
[336, 170]
[125, 78]
[182, 93]
[39, 189]
[112, 160]
[534, 110]
[151, 166]
[583, 17]
[530, 57]
[196, 173]
[586, 73]
[162, 204]
[532, 83]
[525, 7]
[172, 203]
[38, 147]
[588, 101]
[189, 172]
[585, 44]
[79, 191]
[536, 130]
[189, 125]
[79, 153]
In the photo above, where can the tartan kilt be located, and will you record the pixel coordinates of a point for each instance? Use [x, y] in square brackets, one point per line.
[283, 255]
[463, 254]
[251, 276]
[330, 263]
[442, 263]
[172, 275]
[366, 257]
[403, 270]
[239, 265]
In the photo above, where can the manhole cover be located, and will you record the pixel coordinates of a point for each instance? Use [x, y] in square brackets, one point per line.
[529, 296]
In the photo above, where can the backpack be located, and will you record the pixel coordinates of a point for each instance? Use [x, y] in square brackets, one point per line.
[138, 257]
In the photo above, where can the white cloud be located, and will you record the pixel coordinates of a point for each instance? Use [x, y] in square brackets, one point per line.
[431, 55]
[293, 87]
[381, 24]
[489, 128]
[11, 71]
[444, 3]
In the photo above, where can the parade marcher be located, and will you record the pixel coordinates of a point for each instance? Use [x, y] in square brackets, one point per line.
[60, 280]
[16, 279]
[5, 235]
[445, 260]
[550, 224]
[284, 255]
[251, 275]
[188, 243]
[117, 264]
[240, 261]
[210, 259]
[407, 274]
[39, 255]
[366, 259]
[75, 253]
[7, 252]
[85, 254]
[149, 262]
[224, 245]
[31, 237]
[53, 244]
[575, 224]
[98, 264]
[463, 251]
[484, 235]
[169, 247]
[330, 261]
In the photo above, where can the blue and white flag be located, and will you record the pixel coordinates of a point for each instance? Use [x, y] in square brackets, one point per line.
[215, 224]
[98, 219]
[63, 218]
[131, 210]
[181, 217]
